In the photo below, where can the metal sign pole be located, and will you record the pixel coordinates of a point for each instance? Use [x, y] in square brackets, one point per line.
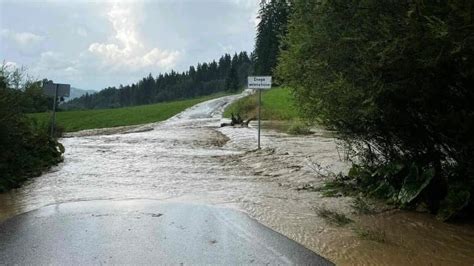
[54, 111]
[259, 107]
[259, 83]
[55, 90]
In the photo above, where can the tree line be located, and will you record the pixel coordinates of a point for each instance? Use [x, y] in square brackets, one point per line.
[392, 78]
[229, 73]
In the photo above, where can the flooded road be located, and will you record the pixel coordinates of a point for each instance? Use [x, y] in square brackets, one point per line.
[145, 232]
[189, 158]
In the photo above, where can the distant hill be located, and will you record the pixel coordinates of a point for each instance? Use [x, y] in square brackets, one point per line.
[76, 93]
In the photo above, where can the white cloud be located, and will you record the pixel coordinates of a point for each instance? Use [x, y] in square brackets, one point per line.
[26, 42]
[57, 66]
[128, 50]
[160, 58]
[123, 20]
[22, 38]
[109, 51]
[95, 44]
[53, 61]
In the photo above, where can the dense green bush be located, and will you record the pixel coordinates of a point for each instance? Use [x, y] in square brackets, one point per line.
[25, 146]
[392, 77]
[299, 128]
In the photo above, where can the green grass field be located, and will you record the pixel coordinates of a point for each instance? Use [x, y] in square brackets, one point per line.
[88, 119]
[277, 104]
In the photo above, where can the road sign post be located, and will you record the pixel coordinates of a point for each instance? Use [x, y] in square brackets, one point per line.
[259, 83]
[259, 106]
[54, 110]
[55, 90]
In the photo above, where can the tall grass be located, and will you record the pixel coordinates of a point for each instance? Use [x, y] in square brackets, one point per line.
[277, 104]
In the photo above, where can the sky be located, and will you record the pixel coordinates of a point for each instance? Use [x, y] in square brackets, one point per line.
[97, 44]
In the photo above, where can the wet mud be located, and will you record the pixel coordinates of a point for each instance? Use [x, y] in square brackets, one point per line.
[189, 158]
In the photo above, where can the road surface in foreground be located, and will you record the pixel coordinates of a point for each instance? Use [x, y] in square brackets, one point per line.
[144, 232]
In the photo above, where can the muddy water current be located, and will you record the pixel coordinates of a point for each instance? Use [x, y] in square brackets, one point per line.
[190, 158]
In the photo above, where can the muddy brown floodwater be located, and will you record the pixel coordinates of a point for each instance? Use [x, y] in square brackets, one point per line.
[189, 158]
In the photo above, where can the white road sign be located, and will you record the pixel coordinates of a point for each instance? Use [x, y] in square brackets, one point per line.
[50, 89]
[260, 82]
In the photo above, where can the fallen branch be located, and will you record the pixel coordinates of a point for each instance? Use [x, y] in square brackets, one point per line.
[237, 120]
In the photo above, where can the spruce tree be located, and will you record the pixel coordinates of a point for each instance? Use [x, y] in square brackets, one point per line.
[270, 30]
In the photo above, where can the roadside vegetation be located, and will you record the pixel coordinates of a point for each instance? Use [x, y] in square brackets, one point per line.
[333, 217]
[70, 121]
[392, 78]
[341, 220]
[277, 104]
[26, 149]
[299, 127]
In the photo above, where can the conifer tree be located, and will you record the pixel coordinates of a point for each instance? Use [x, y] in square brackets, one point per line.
[272, 27]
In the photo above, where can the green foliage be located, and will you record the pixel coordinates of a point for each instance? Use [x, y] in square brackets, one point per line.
[457, 199]
[414, 184]
[361, 205]
[232, 81]
[34, 100]
[277, 104]
[393, 79]
[273, 16]
[70, 121]
[334, 217]
[28, 94]
[299, 128]
[341, 185]
[26, 149]
[245, 107]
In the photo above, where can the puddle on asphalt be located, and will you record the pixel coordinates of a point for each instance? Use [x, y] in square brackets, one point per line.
[190, 158]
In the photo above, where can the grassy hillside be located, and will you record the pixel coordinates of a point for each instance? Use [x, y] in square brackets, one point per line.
[277, 104]
[103, 118]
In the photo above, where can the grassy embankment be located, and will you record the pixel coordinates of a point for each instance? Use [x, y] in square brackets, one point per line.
[278, 104]
[72, 121]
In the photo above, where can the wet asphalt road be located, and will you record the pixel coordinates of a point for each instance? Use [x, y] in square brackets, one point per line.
[144, 232]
